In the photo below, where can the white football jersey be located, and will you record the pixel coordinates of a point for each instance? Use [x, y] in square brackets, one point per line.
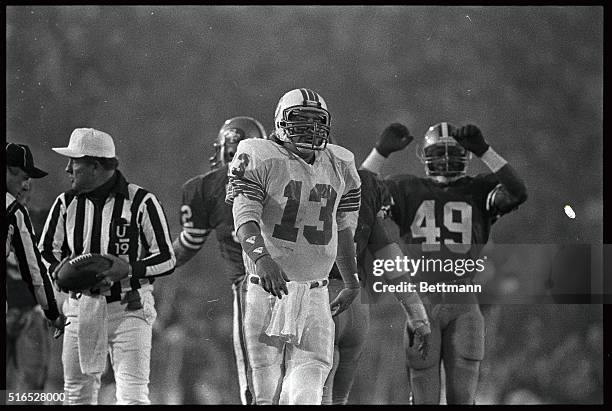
[299, 207]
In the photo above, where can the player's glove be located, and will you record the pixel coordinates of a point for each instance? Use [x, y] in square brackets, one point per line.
[273, 279]
[423, 334]
[470, 137]
[393, 138]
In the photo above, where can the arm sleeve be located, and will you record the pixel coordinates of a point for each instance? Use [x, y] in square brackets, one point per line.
[381, 236]
[154, 229]
[194, 216]
[31, 266]
[52, 244]
[246, 189]
[350, 200]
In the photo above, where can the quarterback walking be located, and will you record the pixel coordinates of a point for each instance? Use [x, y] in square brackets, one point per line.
[295, 203]
[448, 215]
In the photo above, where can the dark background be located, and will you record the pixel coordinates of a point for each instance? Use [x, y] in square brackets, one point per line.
[162, 80]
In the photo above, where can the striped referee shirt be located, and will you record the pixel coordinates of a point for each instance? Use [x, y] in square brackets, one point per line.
[22, 241]
[127, 221]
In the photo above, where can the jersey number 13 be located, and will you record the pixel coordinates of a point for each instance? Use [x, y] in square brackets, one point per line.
[287, 230]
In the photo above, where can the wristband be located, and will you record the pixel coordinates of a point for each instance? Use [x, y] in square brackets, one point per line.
[493, 160]
[374, 162]
[255, 247]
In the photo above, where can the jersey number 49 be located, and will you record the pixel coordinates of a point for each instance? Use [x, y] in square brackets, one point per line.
[424, 225]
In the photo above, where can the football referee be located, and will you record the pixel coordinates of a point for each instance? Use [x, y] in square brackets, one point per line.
[21, 243]
[103, 213]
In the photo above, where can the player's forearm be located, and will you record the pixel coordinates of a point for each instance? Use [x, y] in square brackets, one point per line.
[374, 162]
[346, 259]
[252, 241]
[506, 174]
[182, 253]
[410, 301]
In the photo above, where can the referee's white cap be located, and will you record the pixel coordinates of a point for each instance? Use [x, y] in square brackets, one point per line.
[88, 142]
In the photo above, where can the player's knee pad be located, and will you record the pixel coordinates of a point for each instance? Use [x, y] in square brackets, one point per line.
[266, 383]
[303, 383]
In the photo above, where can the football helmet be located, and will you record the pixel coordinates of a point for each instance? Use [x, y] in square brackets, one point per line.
[441, 154]
[233, 131]
[302, 118]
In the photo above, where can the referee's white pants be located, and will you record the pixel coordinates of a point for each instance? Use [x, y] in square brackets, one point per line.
[129, 346]
[286, 373]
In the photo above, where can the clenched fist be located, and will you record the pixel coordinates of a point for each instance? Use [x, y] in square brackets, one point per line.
[393, 138]
[470, 137]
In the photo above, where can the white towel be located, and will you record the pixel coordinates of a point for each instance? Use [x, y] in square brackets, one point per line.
[93, 333]
[289, 313]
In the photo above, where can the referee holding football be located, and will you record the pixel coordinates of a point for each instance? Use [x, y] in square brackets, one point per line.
[104, 214]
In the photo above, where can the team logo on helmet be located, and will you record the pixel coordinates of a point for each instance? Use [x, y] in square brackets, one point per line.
[302, 118]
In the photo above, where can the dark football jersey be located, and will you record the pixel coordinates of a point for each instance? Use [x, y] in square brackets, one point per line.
[446, 221]
[375, 201]
[204, 209]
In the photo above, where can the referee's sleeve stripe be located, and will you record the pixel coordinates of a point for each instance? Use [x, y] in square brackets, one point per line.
[160, 263]
[35, 271]
[50, 236]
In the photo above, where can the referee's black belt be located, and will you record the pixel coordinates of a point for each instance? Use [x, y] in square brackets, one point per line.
[313, 284]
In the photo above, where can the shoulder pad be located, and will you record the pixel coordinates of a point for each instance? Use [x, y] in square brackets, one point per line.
[259, 148]
[340, 153]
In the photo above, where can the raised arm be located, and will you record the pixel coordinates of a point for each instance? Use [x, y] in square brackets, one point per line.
[393, 138]
[511, 191]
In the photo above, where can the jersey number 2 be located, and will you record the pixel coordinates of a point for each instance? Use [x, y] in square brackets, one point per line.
[286, 230]
[424, 225]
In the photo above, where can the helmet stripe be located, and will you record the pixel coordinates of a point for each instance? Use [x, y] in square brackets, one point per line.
[444, 129]
[304, 94]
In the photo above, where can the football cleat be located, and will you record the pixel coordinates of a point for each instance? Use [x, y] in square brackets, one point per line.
[301, 118]
[233, 131]
[441, 154]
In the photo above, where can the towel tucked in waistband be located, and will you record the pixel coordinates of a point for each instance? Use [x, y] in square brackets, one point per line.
[93, 333]
[289, 313]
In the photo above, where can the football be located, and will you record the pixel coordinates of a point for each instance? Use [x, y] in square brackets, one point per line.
[80, 273]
